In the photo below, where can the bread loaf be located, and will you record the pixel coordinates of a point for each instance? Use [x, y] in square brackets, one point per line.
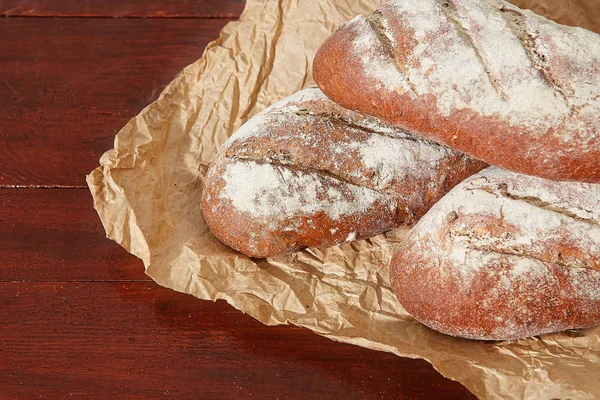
[504, 256]
[306, 172]
[501, 84]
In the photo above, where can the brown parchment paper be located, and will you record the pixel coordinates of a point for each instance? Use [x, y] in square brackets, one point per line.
[147, 193]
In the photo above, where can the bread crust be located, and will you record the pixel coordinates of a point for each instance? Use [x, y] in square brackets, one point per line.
[504, 256]
[307, 172]
[484, 77]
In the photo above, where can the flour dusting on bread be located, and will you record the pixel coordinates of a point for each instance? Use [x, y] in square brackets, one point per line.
[377, 66]
[515, 256]
[466, 66]
[264, 190]
[306, 156]
[484, 77]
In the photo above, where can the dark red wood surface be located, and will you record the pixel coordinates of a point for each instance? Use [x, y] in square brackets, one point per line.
[54, 235]
[134, 340]
[128, 8]
[78, 317]
[67, 85]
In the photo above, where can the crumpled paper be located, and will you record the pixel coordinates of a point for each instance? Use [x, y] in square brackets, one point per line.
[147, 193]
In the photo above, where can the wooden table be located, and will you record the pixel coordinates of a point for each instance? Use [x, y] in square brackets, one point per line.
[78, 316]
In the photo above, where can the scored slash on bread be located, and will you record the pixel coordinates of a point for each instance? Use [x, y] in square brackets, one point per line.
[504, 256]
[307, 172]
[484, 77]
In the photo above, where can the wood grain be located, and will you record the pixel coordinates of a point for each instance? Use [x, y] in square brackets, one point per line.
[68, 85]
[56, 235]
[125, 8]
[138, 341]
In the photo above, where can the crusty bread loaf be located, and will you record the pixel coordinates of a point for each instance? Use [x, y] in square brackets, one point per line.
[484, 77]
[504, 256]
[306, 172]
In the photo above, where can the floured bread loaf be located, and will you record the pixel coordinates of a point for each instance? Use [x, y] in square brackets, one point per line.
[307, 172]
[504, 256]
[484, 77]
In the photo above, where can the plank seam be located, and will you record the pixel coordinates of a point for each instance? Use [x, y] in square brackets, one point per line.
[43, 187]
[84, 281]
[216, 16]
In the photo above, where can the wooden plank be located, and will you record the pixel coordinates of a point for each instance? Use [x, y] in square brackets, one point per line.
[139, 341]
[94, 339]
[68, 85]
[56, 235]
[126, 8]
